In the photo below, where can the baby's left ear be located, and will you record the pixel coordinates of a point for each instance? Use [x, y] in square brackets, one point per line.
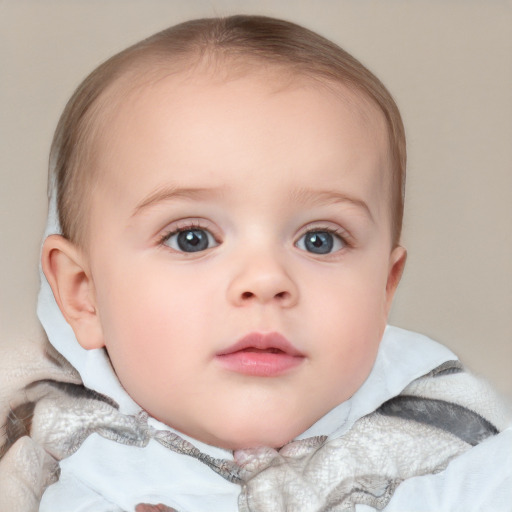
[397, 261]
[65, 268]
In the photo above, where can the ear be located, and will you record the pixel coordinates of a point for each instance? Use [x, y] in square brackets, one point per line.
[397, 261]
[65, 268]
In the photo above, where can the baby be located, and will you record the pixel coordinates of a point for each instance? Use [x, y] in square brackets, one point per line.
[230, 213]
[230, 197]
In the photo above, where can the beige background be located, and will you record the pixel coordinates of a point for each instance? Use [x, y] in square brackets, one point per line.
[447, 62]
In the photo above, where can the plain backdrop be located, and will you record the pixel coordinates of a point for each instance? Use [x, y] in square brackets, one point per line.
[448, 63]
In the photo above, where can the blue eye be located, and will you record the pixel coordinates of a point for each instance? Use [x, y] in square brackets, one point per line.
[190, 240]
[320, 242]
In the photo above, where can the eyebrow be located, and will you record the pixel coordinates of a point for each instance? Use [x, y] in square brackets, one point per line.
[168, 193]
[305, 196]
[326, 197]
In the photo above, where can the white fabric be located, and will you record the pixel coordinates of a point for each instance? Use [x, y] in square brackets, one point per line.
[479, 480]
[104, 476]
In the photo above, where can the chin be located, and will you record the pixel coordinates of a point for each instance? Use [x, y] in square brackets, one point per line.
[244, 438]
[246, 442]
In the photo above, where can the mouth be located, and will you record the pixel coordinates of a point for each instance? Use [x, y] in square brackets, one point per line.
[261, 355]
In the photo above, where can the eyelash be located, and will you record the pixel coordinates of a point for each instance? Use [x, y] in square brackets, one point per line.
[341, 233]
[188, 225]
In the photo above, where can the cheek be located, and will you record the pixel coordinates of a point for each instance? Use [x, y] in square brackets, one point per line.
[151, 318]
[349, 313]
[354, 295]
[352, 327]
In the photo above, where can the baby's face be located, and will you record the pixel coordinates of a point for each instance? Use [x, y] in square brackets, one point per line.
[241, 253]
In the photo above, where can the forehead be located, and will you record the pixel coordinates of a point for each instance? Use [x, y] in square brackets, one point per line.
[137, 84]
[236, 119]
[133, 93]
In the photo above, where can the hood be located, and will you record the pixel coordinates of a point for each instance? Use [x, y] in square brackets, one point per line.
[93, 365]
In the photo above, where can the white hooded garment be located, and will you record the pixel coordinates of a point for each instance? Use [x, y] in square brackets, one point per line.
[106, 476]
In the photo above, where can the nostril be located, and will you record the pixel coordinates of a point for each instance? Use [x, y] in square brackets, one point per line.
[250, 295]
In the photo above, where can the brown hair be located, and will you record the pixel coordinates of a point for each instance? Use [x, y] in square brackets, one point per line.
[265, 39]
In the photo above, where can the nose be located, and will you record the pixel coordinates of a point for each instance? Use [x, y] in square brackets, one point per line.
[261, 279]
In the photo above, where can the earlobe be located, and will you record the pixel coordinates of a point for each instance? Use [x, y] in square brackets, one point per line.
[396, 268]
[64, 266]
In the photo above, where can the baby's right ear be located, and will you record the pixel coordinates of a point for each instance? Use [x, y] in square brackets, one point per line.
[65, 267]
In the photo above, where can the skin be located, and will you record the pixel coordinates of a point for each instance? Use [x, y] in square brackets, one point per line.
[257, 163]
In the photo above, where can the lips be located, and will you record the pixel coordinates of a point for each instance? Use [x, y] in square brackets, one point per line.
[261, 355]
